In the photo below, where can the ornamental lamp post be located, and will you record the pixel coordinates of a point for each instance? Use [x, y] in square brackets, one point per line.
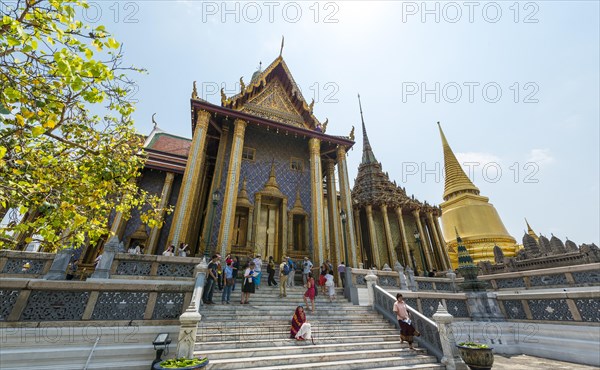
[215, 200]
[347, 272]
[423, 261]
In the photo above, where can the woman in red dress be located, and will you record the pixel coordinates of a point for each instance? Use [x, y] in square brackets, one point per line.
[310, 292]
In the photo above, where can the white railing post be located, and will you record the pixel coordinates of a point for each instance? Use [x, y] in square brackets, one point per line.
[451, 357]
[187, 332]
[371, 279]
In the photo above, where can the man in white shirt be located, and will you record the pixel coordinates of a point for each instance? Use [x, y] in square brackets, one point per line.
[306, 266]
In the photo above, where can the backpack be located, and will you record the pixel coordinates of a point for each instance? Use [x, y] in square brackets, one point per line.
[286, 269]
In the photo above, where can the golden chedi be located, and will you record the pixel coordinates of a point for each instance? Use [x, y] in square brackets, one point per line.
[471, 214]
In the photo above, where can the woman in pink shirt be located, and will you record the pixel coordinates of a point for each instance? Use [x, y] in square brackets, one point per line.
[406, 329]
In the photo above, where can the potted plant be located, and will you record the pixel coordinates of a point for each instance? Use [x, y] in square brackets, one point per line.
[182, 363]
[477, 356]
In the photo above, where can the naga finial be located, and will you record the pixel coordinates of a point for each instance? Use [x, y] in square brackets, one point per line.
[311, 105]
[153, 121]
[352, 134]
[325, 124]
[242, 84]
[195, 92]
[223, 96]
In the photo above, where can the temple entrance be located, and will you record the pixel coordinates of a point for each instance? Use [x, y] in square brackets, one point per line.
[269, 228]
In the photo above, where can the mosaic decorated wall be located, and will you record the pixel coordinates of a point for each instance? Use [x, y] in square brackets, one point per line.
[271, 147]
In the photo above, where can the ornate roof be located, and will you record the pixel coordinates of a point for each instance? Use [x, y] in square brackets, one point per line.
[456, 179]
[372, 186]
[274, 94]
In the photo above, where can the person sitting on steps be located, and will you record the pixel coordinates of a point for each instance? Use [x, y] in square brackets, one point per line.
[300, 329]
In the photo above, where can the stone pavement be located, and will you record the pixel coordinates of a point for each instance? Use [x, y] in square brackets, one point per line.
[524, 362]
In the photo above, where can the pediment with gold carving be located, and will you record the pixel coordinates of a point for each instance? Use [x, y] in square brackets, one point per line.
[273, 103]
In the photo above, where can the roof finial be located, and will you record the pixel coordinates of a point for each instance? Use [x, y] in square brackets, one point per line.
[153, 121]
[281, 50]
[195, 92]
[368, 156]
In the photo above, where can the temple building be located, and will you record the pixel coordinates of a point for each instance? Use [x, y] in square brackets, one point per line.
[257, 177]
[392, 226]
[466, 212]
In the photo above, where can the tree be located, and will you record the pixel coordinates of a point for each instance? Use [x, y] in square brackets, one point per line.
[68, 150]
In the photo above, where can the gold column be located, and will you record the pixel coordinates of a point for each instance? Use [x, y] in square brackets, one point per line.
[117, 228]
[316, 190]
[231, 187]
[373, 237]
[442, 242]
[388, 238]
[403, 237]
[216, 182]
[256, 221]
[424, 243]
[334, 220]
[347, 204]
[284, 230]
[436, 239]
[359, 250]
[190, 186]
[164, 199]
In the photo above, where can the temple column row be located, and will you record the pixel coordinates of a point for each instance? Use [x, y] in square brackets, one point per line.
[388, 235]
[231, 187]
[424, 242]
[333, 213]
[316, 190]
[165, 194]
[190, 187]
[372, 236]
[442, 243]
[403, 237]
[347, 207]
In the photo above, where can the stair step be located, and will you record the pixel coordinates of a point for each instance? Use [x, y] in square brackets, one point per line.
[295, 347]
[346, 360]
[215, 336]
[266, 342]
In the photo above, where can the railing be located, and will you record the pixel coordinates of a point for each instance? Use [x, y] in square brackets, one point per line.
[36, 300]
[24, 264]
[141, 266]
[430, 336]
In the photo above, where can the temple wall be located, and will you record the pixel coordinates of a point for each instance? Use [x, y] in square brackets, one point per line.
[271, 149]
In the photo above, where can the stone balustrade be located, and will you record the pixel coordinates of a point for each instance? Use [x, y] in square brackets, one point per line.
[20, 264]
[142, 266]
[24, 301]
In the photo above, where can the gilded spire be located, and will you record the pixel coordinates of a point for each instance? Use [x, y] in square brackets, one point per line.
[368, 156]
[531, 232]
[456, 179]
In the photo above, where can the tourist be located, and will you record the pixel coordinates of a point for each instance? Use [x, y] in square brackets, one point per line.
[322, 273]
[342, 272]
[300, 329]
[407, 331]
[134, 250]
[169, 251]
[71, 269]
[258, 269]
[209, 286]
[292, 274]
[248, 286]
[310, 292]
[183, 250]
[271, 271]
[284, 272]
[330, 285]
[329, 265]
[219, 275]
[98, 259]
[306, 266]
[228, 274]
[236, 267]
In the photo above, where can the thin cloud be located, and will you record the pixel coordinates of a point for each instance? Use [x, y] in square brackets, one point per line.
[540, 156]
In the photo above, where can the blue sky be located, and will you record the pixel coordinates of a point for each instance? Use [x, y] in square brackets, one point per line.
[518, 87]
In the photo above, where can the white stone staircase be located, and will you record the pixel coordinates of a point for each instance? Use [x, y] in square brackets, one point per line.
[256, 335]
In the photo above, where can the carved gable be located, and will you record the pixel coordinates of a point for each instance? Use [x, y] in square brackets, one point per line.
[274, 103]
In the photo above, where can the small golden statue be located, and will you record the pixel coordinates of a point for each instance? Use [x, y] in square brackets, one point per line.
[195, 92]
[242, 84]
[223, 96]
[352, 134]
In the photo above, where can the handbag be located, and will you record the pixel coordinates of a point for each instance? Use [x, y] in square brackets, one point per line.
[229, 281]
